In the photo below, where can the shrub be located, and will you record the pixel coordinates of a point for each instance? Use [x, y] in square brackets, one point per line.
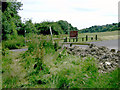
[14, 43]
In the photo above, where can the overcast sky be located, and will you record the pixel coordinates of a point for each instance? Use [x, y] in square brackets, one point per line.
[80, 13]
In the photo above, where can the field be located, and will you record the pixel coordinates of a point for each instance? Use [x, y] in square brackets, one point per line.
[104, 35]
[101, 36]
[47, 65]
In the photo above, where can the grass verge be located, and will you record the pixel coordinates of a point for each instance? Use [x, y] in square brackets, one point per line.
[45, 65]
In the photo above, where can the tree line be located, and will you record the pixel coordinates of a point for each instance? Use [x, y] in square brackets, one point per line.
[12, 24]
[102, 28]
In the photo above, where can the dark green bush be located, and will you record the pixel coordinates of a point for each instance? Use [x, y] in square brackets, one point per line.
[14, 43]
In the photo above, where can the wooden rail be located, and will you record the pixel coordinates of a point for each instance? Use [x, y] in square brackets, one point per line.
[76, 43]
[82, 38]
[75, 39]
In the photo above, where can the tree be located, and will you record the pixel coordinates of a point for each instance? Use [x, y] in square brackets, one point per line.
[103, 28]
[10, 19]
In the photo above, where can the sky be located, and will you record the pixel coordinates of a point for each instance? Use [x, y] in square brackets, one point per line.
[80, 13]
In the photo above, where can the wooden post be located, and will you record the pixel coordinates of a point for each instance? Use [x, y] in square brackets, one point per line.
[91, 38]
[69, 39]
[76, 39]
[70, 44]
[82, 39]
[65, 40]
[86, 37]
[95, 37]
[73, 39]
[25, 38]
[50, 32]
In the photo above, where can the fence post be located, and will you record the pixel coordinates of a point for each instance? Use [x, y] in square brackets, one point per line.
[69, 39]
[86, 37]
[82, 39]
[73, 39]
[95, 37]
[65, 40]
[91, 38]
[76, 39]
[51, 33]
[70, 44]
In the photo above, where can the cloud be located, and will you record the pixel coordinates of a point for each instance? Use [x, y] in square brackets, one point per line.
[80, 13]
[85, 9]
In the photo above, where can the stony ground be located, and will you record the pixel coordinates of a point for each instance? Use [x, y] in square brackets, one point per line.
[108, 58]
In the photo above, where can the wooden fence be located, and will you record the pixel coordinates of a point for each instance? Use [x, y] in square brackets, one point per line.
[75, 39]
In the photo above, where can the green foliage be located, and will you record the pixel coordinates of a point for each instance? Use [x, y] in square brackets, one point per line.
[44, 28]
[68, 71]
[10, 19]
[58, 70]
[66, 26]
[59, 27]
[13, 42]
[8, 80]
[29, 27]
[103, 28]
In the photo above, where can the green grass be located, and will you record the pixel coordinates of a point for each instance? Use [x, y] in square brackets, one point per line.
[13, 43]
[103, 35]
[12, 72]
[45, 65]
[61, 70]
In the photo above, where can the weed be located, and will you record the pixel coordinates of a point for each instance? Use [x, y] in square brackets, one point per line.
[14, 43]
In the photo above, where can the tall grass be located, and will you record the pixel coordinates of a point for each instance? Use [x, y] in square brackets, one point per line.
[14, 43]
[61, 70]
[7, 80]
[48, 66]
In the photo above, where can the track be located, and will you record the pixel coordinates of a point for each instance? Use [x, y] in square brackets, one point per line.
[111, 44]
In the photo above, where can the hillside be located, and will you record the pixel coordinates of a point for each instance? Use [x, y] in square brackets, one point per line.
[103, 28]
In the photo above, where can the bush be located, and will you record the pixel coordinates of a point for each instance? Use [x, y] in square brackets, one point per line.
[14, 43]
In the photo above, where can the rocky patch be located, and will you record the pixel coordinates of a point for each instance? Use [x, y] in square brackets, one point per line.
[108, 59]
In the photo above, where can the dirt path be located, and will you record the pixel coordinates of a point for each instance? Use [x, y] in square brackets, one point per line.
[17, 69]
[19, 50]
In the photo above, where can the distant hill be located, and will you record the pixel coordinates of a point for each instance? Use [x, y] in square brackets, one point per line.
[102, 28]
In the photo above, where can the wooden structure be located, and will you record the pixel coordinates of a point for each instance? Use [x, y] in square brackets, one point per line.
[73, 34]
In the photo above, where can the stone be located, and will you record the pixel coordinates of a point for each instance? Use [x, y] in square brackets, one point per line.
[107, 63]
[70, 48]
[69, 52]
[107, 59]
[92, 45]
[113, 50]
[118, 51]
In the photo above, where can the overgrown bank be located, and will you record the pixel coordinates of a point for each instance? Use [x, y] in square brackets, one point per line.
[48, 66]
[45, 65]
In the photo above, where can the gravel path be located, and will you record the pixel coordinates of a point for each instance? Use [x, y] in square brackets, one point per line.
[111, 44]
[19, 50]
